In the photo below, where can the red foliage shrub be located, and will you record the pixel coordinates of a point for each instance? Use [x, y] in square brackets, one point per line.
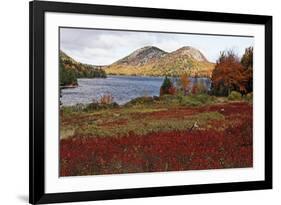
[163, 151]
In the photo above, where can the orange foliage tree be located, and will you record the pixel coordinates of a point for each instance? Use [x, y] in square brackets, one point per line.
[228, 75]
[184, 80]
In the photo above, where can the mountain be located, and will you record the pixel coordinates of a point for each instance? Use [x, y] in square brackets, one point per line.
[190, 52]
[141, 56]
[71, 69]
[152, 61]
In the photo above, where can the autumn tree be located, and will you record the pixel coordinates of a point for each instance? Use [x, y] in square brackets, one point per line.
[247, 58]
[247, 62]
[185, 82]
[228, 75]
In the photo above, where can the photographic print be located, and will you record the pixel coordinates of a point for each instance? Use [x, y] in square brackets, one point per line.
[129, 102]
[137, 101]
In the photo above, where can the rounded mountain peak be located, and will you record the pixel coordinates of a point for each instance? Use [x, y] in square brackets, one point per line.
[142, 56]
[191, 52]
[147, 50]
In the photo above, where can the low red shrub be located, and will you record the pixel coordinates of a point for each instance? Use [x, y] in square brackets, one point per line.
[169, 151]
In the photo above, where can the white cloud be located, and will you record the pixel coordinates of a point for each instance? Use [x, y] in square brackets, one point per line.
[102, 47]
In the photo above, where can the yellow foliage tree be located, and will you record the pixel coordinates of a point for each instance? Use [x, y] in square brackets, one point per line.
[184, 79]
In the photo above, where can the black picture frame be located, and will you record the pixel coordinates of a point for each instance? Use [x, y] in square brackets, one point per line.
[37, 9]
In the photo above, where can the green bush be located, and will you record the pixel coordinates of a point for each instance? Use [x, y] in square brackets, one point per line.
[249, 97]
[203, 98]
[142, 100]
[74, 108]
[98, 106]
[188, 101]
[169, 99]
[234, 95]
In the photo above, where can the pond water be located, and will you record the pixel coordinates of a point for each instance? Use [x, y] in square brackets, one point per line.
[122, 88]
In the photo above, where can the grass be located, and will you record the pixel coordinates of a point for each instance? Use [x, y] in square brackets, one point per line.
[138, 116]
[125, 124]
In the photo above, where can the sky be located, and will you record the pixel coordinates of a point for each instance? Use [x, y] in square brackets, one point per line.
[103, 47]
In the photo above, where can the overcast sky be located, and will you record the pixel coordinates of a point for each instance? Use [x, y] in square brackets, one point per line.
[103, 47]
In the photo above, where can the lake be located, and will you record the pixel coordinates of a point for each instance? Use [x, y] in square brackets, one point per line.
[122, 88]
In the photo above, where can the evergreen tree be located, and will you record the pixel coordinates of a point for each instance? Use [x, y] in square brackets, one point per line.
[167, 87]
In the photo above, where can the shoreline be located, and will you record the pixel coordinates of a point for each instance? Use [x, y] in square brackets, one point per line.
[158, 76]
[68, 86]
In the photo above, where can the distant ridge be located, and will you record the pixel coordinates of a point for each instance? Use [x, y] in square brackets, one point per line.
[71, 69]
